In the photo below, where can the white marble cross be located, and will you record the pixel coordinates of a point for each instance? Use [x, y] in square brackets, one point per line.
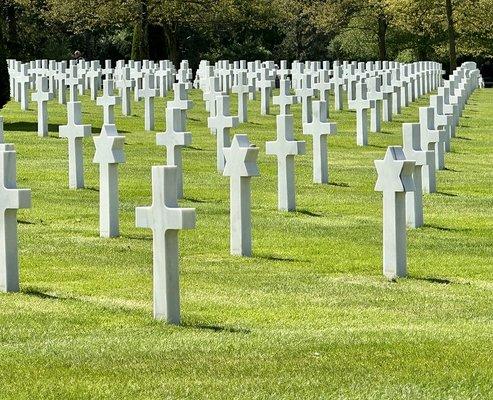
[61, 77]
[412, 150]
[432, 138]
[306, 93]
[394, 180]
[166, 219]
[375, 93]
[74, 131]
[23, 80]
[108, 101]
[320, 128]
[241, 165]
[242, 88]
[42, 96]
[338, 83]
[174, 138]
[442, 120]
[265, 84]
[285, 147]
[285, 100]
[11, 199]
[388, 89]
[323, 86]
[109, 153]
[361, 104]
[94, 76]
[221, 123]
[125, 84]
[180, 101]
[148, 93]
[73, 82]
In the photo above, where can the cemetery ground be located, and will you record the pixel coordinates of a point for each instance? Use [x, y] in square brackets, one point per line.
[308, 316]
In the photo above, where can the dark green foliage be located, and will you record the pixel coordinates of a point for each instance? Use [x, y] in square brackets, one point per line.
[4, 73]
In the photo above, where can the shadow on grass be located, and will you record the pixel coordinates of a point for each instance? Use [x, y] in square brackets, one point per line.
[447, 194]
[462, 138]
[339, 184]
[430, 279]
[41, 295]
[377, 146]
[27, 127]
[217, 328]
[194, 200]
[446, 229]
[194, 148]
[92, 188]
[270, 257]
[450, 170]
[137, 237]
[307, 212]
[23, 222]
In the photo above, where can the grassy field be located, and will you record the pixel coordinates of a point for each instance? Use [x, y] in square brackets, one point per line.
[309, 316]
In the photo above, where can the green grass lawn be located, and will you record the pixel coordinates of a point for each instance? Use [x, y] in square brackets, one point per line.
[309, 316]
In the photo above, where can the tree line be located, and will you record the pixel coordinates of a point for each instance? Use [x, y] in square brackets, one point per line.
[405, 30]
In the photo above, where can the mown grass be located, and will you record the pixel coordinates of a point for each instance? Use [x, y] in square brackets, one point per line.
[308, 317]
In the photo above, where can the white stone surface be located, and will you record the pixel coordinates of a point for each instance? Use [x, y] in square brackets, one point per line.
[148, 93]
[165, 219]
[243, 89]
[412, 150]
[175, 138]
[241, 165]
[319, 129]
[285, 99]
[109, 153]
[394, 180]
[108, 101]
[74, 131]
[11, 199]
[221, 123]
[285, 148]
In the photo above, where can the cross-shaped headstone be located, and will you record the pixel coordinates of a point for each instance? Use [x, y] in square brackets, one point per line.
[109, 153]
[23, 83]
[61, 76]
[180, 101]
[265, 84]
[42, 96]
[241, 165]
[285, 100]
[11, 199]
[375, 93]
[431, 137]
[361, 104]
[242, 88]
[323, 85]
[338, 83]
[108, 101]
[285, 147]
[442, 120]
[73, 82]
[74, 131]
[94, 76]
[165, 219]
[148, 93]
[174, 138]
[222, 122]
[412, 150]
[394, 180]
[306, 93]
[320, 128]
[125, 84]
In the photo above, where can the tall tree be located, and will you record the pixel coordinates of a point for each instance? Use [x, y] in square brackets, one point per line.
[4, 72]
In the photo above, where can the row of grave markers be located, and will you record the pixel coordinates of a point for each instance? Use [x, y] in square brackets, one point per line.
[409, 170]
[238, 161]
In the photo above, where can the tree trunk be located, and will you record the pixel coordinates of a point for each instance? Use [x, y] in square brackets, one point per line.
[451, 35]
[382, 37]
[172, 45]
